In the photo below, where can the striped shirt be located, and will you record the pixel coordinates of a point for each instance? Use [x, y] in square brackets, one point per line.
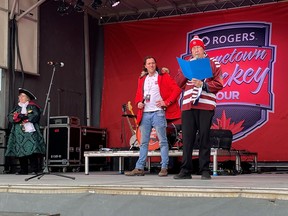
[202, 98]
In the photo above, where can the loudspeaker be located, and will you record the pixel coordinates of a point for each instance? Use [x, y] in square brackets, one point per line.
[221, 138]
[218, 139]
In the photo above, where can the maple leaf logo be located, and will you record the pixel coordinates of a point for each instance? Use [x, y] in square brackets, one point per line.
[225, 123]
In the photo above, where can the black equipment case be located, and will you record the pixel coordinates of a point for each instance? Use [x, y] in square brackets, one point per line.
[93, 139]
[68, 141]
[221, 138]
[64, 148]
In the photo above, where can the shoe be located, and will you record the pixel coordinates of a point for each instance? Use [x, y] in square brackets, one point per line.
[135, 172]
[163, 172]
[183, 175]
[205, 175]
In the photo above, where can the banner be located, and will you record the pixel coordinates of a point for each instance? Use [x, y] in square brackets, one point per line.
[250, 44]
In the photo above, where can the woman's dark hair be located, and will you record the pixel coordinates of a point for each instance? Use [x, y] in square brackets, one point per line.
[145, 59]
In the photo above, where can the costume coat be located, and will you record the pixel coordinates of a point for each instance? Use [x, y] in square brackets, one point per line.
[21, 143]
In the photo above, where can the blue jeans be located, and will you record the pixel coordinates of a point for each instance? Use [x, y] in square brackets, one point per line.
[158, 121]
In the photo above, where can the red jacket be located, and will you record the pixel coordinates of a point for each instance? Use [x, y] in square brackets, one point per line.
[169, 92]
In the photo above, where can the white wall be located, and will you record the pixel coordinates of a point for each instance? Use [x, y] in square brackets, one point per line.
[27, 35]
[3, 99]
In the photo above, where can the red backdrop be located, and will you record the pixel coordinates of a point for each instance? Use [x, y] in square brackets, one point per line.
[261, 114]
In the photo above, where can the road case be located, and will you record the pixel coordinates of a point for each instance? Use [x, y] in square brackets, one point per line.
[93, 139]
[64, 121]
[64, 148]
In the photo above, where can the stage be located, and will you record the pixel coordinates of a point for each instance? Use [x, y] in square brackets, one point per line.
[111, 193]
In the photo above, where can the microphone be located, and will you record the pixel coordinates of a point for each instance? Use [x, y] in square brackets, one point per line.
[193, 58]
[60, 64]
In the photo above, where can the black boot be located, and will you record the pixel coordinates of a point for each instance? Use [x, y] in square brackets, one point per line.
[23, 166]
[34, 164]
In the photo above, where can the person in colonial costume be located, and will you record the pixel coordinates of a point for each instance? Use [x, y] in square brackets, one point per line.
[26, 141]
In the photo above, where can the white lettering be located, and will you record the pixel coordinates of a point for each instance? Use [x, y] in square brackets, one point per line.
[232, 38]
[231, 95]
[240, 76]
[235, 56]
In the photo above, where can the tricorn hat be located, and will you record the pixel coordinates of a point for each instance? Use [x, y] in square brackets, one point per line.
[28, 93]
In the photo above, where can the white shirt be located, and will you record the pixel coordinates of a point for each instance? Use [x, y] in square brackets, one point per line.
[151, 88]
[28, 126]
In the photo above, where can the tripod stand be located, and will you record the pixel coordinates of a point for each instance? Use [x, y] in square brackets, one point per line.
[47, 106]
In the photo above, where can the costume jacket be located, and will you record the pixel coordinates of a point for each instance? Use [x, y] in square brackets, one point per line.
[21, 143]
[207, 98]
[169, 92]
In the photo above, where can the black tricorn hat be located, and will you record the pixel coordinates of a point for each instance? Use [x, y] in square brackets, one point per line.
[28, 93]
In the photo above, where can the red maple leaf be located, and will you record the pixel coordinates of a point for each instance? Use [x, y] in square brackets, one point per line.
[224, 123]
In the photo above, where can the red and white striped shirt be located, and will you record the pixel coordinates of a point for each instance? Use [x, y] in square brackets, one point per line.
[201, 98]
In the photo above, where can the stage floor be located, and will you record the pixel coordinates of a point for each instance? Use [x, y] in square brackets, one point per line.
[112, 193]
[266, 186]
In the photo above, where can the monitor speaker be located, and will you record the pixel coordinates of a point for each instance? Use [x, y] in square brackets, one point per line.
[221, 138]
[218, 139]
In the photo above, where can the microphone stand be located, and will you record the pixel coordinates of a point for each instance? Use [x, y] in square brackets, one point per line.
[47, 106]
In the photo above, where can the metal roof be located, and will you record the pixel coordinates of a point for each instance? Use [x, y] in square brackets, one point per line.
[132, 10]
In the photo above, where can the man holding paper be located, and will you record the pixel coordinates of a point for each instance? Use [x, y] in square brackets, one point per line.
[201, 79]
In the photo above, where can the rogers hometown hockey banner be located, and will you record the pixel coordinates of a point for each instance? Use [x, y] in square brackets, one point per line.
[251, 45]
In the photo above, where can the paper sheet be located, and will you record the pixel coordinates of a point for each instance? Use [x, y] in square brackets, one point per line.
[199, 69]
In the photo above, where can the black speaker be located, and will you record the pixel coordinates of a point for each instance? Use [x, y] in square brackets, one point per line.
[221, 138]
[218, 139]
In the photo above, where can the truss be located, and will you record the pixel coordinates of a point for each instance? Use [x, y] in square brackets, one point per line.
[172, 8]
